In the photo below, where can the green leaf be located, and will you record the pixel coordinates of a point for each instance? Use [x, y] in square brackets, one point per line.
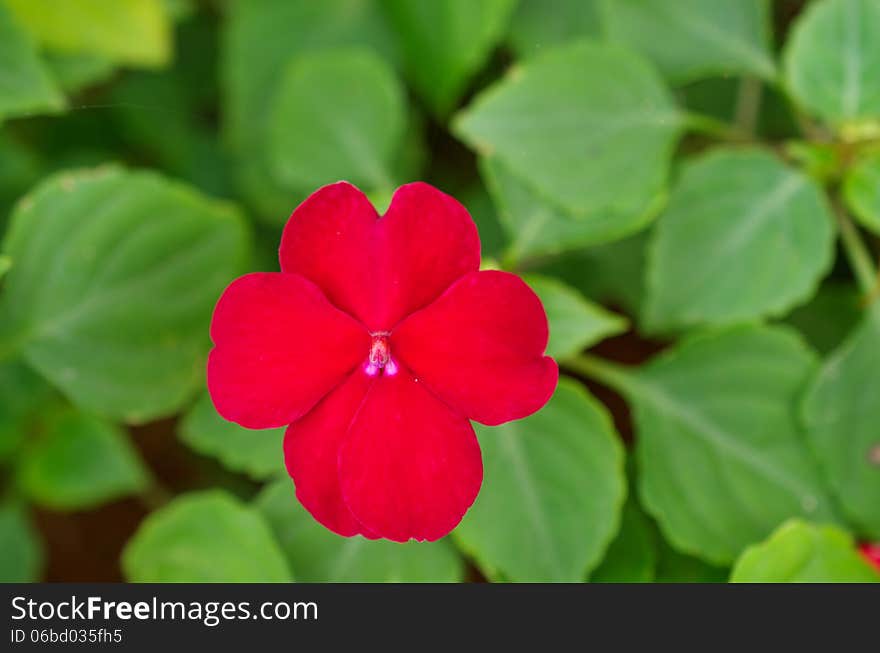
[445, 42]
[861, 191]
[590, 126]
[115, 277]
[261, 38]
[632, 557]
[552, 493]
[536, 227]
[338, 114]
[25, 85]
[74, 72]
[832, 62]
[842, 413]
[690, 39]
[743, 211]
[22, 394]
[830, 316]
[80, 462]
[721, 459]
[799, 552]
[318, 555]
[259, 454]
[135, 32]
[22, 559]
[538, 25]
[204, 537]
[575, 322]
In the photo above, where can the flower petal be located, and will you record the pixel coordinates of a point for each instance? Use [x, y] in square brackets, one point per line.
[279, 347]
[380, 270]
[409, 467]
[480, 348]
[311, 451]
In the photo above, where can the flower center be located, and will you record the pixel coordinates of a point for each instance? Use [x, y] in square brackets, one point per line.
[379, 360]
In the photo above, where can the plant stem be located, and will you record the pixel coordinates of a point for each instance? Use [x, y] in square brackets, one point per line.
[615, 376]
[857, 252]
[748, 105]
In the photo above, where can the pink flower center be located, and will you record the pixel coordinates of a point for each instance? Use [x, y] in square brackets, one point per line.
[379, 360]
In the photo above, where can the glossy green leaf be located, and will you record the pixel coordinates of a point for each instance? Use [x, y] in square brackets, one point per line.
[606, 131]
[114, 279]
[337, 115]
[536, 227]
[78, 462]
[261, 38]
[689, 39]
[25, 84]
[204, 537]
[721, 458]
[318, 555]
[135, 32]
[631, 557]
[861, 191]
[799, 552]
[842, 416]
[538, 25]
[445, 42]
[22, 394]
[22, 559]
[259, 454]
[735, 214]
[830, 316]
[552, 493]
[832, 62]
[575, 322]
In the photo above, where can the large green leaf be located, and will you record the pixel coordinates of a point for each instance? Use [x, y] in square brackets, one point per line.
[832, 61]
[689, 39]
[861, 191]
[204, 537]
[842, 415]
[261, 38]
[744, 236]
[536, 227]
[631, 557]
[552, 492]
[79, 462]
[25, 84]
[22, 558]
[445, 42]
[136, 32]
[259, 454]
[318, 555]
[538, 25]
[591, 126]
[575, 322]
[337, 115]
[721, 459]
[74, 72]
[114, 278]
[799, 552]
[677, 567]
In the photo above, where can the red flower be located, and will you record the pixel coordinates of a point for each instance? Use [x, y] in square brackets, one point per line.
[871, 553]
[377, 343]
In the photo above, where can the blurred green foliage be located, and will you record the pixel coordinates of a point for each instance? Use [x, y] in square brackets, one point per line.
[707, 168]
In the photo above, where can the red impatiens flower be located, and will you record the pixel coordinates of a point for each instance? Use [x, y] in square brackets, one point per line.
[871, 553]
[377, 343]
